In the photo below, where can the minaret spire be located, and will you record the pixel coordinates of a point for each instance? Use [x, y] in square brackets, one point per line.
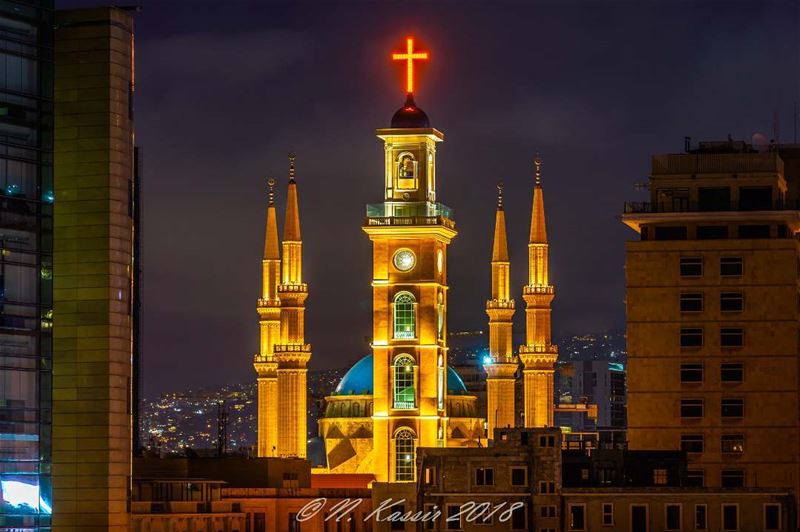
[291, 227]
[539, 354]
[500, 365]
[538, 226]
[269, 320]
[500, 246]
[293, 353]
[271, 243]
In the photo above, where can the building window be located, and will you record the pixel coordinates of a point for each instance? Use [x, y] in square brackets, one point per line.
[608, 514]
[577, 517]
[639, 517]
[700, 517]
[731, 266]
[772, 517]
[691, 373]
[547, 441]
[547, 487]
[731, 302]
[404, 395]
[404, 316]
[730, 517]
[714, 199]
[732, 408]
[404, 450]
[671, 232]
[519, 518]
[691, 266]
[691, 302]
[732, 478]
[453, 517]
[547, 511]
[691, 408]
[484, 476]
[691, 337]
[692, 443]
[673, 515]
[732, 443]
[519, 476]
[430, 475]
[294, 524]
[731, 337]
[731, 372]
[660, 477]
[712, 232]
[406, 169]
[753, 231]
[696, 478]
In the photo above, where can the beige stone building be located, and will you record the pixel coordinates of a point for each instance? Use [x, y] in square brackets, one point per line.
[712, 314]
[93, 270]
[526, 481]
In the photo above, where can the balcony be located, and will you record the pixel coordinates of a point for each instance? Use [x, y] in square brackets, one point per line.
[396, 213]
[647, 207]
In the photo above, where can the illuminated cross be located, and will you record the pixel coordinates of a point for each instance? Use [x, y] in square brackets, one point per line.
[409, 57]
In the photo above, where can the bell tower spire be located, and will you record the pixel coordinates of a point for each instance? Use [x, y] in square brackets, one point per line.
[269, 320]
[539, 354]
[500, 365]
[292, 353]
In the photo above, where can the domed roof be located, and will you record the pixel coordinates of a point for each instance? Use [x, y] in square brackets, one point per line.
[410, 116]
[358, 380]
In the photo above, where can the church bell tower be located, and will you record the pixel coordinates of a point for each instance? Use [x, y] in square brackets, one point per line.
[410, 233]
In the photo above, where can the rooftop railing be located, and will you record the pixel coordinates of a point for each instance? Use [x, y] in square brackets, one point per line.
[646, 207]
[716, 163]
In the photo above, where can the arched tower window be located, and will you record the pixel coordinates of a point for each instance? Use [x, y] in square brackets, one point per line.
[404, 316]
[404, 455]
[406, 170]
[440, 316]
[404, 396]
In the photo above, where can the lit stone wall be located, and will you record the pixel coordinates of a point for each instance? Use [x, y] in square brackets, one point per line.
[92, 271]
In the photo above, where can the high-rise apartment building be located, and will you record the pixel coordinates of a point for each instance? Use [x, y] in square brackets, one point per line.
[712, 310]
[26, 263]
[95, 307]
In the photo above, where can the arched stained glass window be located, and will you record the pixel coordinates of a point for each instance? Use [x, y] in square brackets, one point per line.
[404, 316]
[404, 396]
[404, 453]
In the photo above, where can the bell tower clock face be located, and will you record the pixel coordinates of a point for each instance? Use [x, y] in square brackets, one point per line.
[404, 260]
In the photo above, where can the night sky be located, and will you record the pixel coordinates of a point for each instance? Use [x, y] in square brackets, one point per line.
[226, 89]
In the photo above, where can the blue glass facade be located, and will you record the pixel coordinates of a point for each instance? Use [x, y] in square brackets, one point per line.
[26, 262]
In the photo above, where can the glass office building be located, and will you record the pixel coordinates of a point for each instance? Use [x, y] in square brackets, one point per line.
[26, 222]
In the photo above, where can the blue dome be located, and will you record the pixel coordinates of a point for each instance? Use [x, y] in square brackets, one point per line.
[358, 380]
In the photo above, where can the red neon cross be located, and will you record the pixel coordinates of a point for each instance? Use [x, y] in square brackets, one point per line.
[409, 57]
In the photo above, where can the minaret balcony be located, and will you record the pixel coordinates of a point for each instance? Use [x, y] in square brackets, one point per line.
[302, 287]
[538, 348]
[537, 289]
[500, 304]
[268, 303]
[292, 348]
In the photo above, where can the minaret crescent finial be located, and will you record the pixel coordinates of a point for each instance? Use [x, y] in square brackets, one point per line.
[291, 167]
[271, 184]
[538, 163]
[500, 195]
